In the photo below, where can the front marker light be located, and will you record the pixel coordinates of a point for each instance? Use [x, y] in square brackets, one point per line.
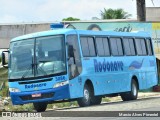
[59, 84]
[14, 90]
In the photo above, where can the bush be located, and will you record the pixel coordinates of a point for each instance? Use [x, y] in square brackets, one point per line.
[26, 107]
[4, 91]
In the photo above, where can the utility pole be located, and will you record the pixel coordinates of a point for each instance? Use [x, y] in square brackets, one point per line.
[141, 10]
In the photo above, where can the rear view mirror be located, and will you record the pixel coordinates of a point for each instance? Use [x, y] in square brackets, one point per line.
[5, 59]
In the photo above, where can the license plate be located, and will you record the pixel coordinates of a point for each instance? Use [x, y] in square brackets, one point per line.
[36, 95]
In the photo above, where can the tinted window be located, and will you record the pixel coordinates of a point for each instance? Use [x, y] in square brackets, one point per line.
[102, 46]
[126, 46]
[88, 48]
[116, 46]
[84, 45]
[99, 45]
[119, 46]
[129, 46]
[140, 46]
[91, 46]
[132, 46]
[149, 46]
[143, 45]
[106, 47]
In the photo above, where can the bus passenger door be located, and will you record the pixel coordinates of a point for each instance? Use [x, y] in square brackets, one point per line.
[74, 65]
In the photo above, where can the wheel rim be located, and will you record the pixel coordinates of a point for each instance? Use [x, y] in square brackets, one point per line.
[134, 89]
[86, 95]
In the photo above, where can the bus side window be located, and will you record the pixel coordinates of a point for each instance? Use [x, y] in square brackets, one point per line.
[149, 47]
[102, 46]
[88, 47]
[74, 61]
[141, 46]
[116, 46]
[129, 47]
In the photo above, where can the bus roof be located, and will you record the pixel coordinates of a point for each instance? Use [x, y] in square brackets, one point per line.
[82, 32]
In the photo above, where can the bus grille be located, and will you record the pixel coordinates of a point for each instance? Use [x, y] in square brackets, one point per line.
[44, 95]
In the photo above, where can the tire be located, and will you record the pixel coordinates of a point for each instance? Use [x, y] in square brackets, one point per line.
[86, 99]
[96, 100]
[40, 106]
[133, 94]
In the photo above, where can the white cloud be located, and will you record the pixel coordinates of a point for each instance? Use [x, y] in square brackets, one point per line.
[56, 10]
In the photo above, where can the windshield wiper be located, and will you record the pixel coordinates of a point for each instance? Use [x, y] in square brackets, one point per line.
[28, 69]
[41, 69]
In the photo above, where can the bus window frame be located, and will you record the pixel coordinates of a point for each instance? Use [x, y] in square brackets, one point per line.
[151, 45]
[133, 45]
[136, 46]
[88, 36]
[111, 48]
[98, 36]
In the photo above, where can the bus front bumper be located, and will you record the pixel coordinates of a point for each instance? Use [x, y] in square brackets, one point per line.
[48, 95]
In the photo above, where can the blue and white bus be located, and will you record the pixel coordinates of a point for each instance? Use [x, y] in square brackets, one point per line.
[68, 64]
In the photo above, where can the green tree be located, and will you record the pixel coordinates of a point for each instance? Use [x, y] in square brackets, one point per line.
[114, 14]
[70, 19]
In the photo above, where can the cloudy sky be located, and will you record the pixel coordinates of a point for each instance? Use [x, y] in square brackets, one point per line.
[13, 11]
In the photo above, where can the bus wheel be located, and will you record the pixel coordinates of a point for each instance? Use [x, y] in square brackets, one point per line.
[86, 99]
[132, 95]
[40, 106]
[96, 100]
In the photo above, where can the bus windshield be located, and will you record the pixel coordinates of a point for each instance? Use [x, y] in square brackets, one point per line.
[37, 57]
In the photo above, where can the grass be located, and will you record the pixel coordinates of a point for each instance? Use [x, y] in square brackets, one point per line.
[26, 107]
[106, 99]
[3, 74]
[3, 79]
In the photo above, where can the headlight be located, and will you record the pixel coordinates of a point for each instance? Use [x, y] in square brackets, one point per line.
[60, 84]
[14, 90]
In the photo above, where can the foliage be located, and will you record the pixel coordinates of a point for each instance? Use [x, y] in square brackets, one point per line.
[62, 105]
[4, 91]
[0, 59]
[70, 19]
[114, 14]
[106, 99]
[26, 107]
[3, 74]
